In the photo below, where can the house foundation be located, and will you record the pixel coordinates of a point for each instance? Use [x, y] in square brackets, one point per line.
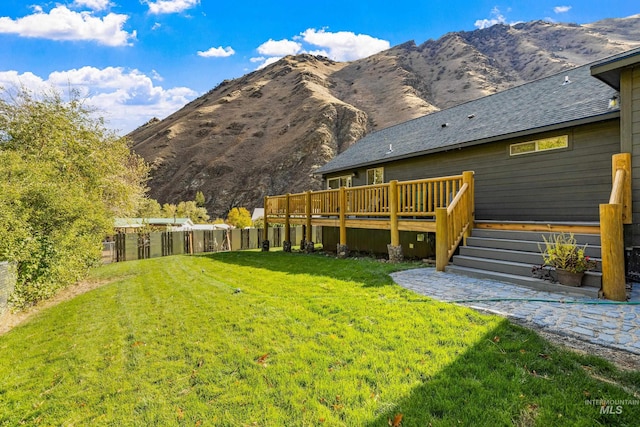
[395, 253]
[307, 247]
[342, 251]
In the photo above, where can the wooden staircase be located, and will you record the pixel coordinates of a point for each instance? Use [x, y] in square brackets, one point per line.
[508, 255]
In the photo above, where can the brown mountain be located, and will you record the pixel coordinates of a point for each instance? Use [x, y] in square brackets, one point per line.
[266, 132]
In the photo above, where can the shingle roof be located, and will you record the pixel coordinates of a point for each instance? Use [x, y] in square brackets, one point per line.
[529, 108]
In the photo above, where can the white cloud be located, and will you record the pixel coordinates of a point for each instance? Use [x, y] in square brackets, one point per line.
[156, 76]
[344, 45]
[339, 46]
[11, 79]
[217, 52]
[318, 52]
[269, 61]
[126, 98]
[562, 9]
[171, 6]
[96, 5]
[496, 18]
[63, 24]
[279, 48]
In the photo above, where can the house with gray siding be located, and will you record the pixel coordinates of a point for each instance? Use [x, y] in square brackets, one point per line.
[541, 154]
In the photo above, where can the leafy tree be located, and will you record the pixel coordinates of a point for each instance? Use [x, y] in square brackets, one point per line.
[200, 200]
[149, 208]
[258, 223]
[185, 210]
[191, 210]
[169, 210]
[239, 218]
[63, 178]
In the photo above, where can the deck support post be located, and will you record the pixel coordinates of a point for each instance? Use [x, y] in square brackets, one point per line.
[286, 244]
[265, 233]
[467, 178]
[342, 249]
[611, 236]
[442, 239]
[307, 246]
[394, 249]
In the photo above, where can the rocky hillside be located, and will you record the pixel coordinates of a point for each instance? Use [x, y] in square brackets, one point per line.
[266, 133]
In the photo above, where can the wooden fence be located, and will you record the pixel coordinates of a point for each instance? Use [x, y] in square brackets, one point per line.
[132, 246]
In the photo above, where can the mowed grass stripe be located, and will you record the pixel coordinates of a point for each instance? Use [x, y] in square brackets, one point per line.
[307, 340]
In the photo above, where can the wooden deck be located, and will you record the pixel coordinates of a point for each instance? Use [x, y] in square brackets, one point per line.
[445, 206]
[439, 205]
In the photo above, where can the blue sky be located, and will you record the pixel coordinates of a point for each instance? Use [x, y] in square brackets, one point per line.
[138, 59]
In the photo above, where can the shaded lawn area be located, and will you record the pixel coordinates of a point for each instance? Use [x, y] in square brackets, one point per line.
[277, 339]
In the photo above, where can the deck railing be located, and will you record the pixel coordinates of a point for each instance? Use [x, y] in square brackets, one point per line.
[395, 201]
[419, 198]
[325, 203]
[612, 217]
[369, 200]
[423, 197]
[453, 224]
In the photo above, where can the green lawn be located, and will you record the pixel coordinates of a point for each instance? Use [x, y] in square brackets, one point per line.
[277, 339]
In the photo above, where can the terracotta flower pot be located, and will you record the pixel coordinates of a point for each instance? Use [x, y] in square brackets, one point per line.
[569, 278]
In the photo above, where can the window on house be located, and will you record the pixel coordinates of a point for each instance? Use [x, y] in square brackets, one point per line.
[538, 145]
[339, 181]
[375, 176]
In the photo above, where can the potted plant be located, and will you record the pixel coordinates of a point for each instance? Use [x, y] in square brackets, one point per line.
[562, 252]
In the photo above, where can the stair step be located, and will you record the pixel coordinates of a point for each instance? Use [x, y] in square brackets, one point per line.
[536, 236]
[529, 282]
[531, 246]
[510, 255]
[530, 258]
[591, 278]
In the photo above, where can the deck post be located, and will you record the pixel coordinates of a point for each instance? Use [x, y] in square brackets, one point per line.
[442, 239]
[623, 161]
[343, 249]
[394, 249]
[265, 235]
[468, 178]
[286, 244]
[308, 242]
[611, 236]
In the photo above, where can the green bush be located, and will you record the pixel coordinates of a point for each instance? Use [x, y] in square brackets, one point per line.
[63, 178]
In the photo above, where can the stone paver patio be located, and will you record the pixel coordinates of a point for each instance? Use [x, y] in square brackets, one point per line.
[601, 322]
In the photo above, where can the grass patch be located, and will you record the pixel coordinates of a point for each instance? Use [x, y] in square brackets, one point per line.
[274, 339]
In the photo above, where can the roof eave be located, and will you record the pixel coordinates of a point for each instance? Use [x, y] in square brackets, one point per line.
[608, 70]
[549, 128]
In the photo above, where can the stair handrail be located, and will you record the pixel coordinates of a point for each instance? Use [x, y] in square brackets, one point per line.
[612, 217]
[617, 195]
[454, 222]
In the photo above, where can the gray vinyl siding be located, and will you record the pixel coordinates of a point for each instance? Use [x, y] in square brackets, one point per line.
[374, 242]
[635, 160]
[558, 185]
